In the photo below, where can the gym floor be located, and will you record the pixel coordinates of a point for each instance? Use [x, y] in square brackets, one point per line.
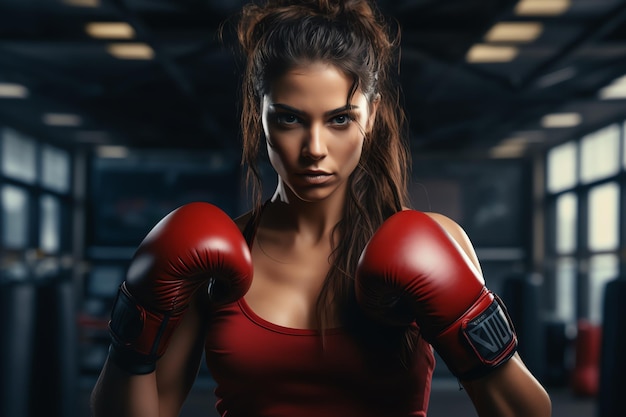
[446, 401]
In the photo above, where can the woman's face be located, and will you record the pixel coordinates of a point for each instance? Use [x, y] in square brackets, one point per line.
[314, 137]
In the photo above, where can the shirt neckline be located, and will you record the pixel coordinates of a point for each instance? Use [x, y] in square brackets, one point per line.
[260, 321]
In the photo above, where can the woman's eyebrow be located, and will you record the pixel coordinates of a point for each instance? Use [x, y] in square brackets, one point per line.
[287, 108]
[342, 109]
[290, 109]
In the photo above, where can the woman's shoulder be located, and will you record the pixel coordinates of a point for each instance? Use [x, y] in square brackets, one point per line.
[456, 231]
[444, 221]
[449, 225]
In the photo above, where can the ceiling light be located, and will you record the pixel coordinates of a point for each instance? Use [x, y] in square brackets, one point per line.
[508, 150]
[110, 30]
[482, 53]
[131, 51]
[62, 119]
[112, 151]
[10, 90]
[542, 7]
[514, 32]
[519, 141]
[610, 92]
[615, 90]
[82, 3]
[556, 120]
[619, 80]
[530, 136]
[515, 146]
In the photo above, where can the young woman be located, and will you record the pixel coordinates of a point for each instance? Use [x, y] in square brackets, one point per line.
[327, 298]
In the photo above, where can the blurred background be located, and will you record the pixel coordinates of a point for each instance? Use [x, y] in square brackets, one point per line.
[115, 112]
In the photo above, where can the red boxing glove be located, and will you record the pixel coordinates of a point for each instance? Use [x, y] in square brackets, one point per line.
[195, 245]
[412, 270]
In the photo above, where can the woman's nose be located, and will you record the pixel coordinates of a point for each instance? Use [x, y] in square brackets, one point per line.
[314, 146]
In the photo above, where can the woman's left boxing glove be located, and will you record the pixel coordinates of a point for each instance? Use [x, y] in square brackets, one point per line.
[195, 245]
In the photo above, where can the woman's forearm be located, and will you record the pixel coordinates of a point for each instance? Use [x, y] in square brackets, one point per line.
[509, 391]
[119, 394]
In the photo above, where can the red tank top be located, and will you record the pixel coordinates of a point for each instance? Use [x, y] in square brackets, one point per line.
[266, 370]
[262, 369]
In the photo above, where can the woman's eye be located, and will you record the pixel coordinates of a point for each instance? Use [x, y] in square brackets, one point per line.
[342, 119]
[287, 119]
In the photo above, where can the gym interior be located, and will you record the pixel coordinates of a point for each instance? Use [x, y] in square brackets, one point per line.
[115, 112]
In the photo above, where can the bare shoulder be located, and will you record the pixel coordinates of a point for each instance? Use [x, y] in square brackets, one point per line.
[457, 233]
[450, 226]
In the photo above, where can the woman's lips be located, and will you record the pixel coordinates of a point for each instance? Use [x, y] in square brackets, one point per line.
[316, 177]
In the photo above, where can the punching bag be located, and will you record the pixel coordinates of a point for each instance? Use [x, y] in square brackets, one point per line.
[55, 364]
[17, 309]
[611, 401]
[521, 295]
[586, 373]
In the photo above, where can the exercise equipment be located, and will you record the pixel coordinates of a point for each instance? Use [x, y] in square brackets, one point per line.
[612, 385]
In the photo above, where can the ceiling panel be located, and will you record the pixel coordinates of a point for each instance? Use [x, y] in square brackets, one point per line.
[185, 94]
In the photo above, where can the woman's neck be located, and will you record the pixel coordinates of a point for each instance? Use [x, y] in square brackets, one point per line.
[315, 219]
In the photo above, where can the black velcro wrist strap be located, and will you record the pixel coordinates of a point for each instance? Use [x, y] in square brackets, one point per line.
[480, 341]
[491, 336]
[127, 318]
[490, 333]
[126, 325]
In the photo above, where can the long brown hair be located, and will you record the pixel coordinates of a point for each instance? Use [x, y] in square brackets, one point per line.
[354, 36]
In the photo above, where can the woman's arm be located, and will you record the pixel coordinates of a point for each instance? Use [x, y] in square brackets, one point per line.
[157, 394]
[509, 391]
[118, 393]
[194, 253]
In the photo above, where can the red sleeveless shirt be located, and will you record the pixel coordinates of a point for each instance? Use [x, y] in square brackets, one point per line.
[262, 369]
[266, 370]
